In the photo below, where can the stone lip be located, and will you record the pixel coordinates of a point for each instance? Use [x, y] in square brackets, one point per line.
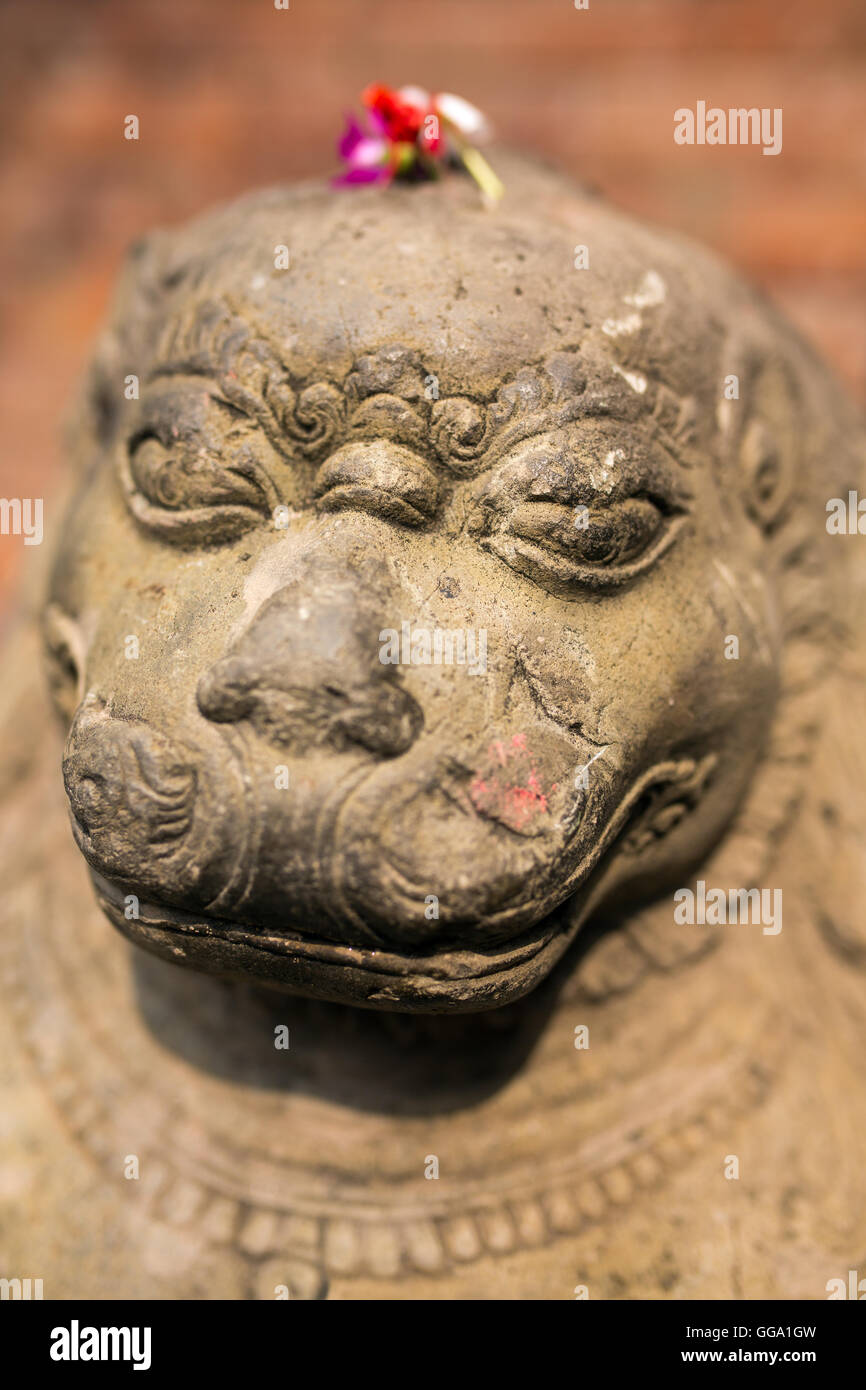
[447, 980]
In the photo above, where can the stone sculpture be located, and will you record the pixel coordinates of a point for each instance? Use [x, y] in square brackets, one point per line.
[430, 613]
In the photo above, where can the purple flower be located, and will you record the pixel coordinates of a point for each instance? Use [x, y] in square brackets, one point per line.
[365, 152]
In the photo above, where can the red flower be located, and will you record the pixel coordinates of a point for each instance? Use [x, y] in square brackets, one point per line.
[402, 119]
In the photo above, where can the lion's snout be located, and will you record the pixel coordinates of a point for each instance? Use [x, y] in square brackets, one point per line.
[128, 786]
[281, 706]
[142, 808]
[307, 672]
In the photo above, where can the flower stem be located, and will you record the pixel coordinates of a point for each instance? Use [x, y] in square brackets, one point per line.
[491, 186]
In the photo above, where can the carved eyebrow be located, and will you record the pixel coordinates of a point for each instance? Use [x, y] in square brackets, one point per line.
[403, 484]
[383, 397]
[180, 405]
[386, 416]
[304, 421]
[200, 379]
[180, 367]
[171, 377]
[574, 469]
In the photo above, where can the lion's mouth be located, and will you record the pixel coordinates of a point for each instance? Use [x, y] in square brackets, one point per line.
[454, 976]
[342, 900]
[451, 978]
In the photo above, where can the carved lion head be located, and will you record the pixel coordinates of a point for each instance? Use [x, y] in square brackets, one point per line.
[432, 584]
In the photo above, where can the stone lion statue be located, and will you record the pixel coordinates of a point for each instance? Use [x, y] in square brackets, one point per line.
[444, 599]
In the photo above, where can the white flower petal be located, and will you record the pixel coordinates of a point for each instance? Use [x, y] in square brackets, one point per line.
[416, 96]
[462, 115]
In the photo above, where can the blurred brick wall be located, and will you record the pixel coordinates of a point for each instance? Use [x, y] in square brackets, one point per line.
[233, 93]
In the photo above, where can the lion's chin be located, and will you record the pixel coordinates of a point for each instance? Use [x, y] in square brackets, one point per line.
[448, 980]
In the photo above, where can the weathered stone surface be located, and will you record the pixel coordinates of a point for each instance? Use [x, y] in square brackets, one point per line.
[433, 422]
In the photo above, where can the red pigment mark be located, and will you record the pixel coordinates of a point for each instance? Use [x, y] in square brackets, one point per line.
[515, 799]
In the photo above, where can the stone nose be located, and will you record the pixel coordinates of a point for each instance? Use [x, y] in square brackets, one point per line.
[308, 671]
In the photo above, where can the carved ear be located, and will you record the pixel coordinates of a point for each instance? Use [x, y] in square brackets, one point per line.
[669, 802]
[64, 652]
[763, 430]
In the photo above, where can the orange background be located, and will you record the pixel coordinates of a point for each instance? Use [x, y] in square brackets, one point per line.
[234, 93]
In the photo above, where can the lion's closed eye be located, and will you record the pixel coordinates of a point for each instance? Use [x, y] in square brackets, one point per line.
[608, 536]
[178, 476]
[593, 546]
[192, 468]
[593, 507]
